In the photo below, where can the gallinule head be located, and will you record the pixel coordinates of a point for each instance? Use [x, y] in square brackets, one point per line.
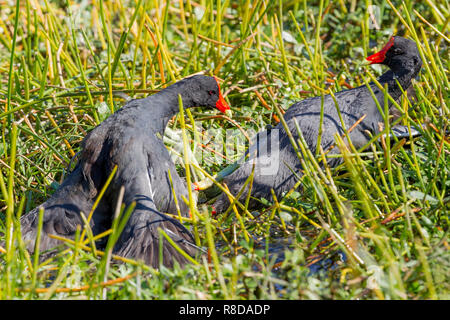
[197, 91]
[400, 55]
[205, 91]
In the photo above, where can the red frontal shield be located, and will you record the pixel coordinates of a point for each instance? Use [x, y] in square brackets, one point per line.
[381, 55]
[221, 104]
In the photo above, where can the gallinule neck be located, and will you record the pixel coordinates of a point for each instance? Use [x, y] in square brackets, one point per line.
[131, 138]
[277, 165]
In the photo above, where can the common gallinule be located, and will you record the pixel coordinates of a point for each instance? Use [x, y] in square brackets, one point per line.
[277, 165]
[131, 138]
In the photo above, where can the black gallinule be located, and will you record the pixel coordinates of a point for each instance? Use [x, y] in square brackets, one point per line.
[277, 165]
[131, 138]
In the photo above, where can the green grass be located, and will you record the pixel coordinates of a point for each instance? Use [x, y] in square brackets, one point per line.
[385, 209]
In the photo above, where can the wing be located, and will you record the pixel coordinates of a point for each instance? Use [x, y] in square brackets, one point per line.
[140, 238]
[61, 214]
[276, 166]
[160, 164]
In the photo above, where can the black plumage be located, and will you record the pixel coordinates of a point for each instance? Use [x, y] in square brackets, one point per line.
[400, 55]
[131, 138]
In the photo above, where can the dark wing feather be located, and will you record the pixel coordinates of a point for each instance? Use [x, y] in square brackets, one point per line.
[140, 238]
[61, 214]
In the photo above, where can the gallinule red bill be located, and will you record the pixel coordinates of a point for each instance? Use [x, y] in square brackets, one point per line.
[131, 138]
[278, 167]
